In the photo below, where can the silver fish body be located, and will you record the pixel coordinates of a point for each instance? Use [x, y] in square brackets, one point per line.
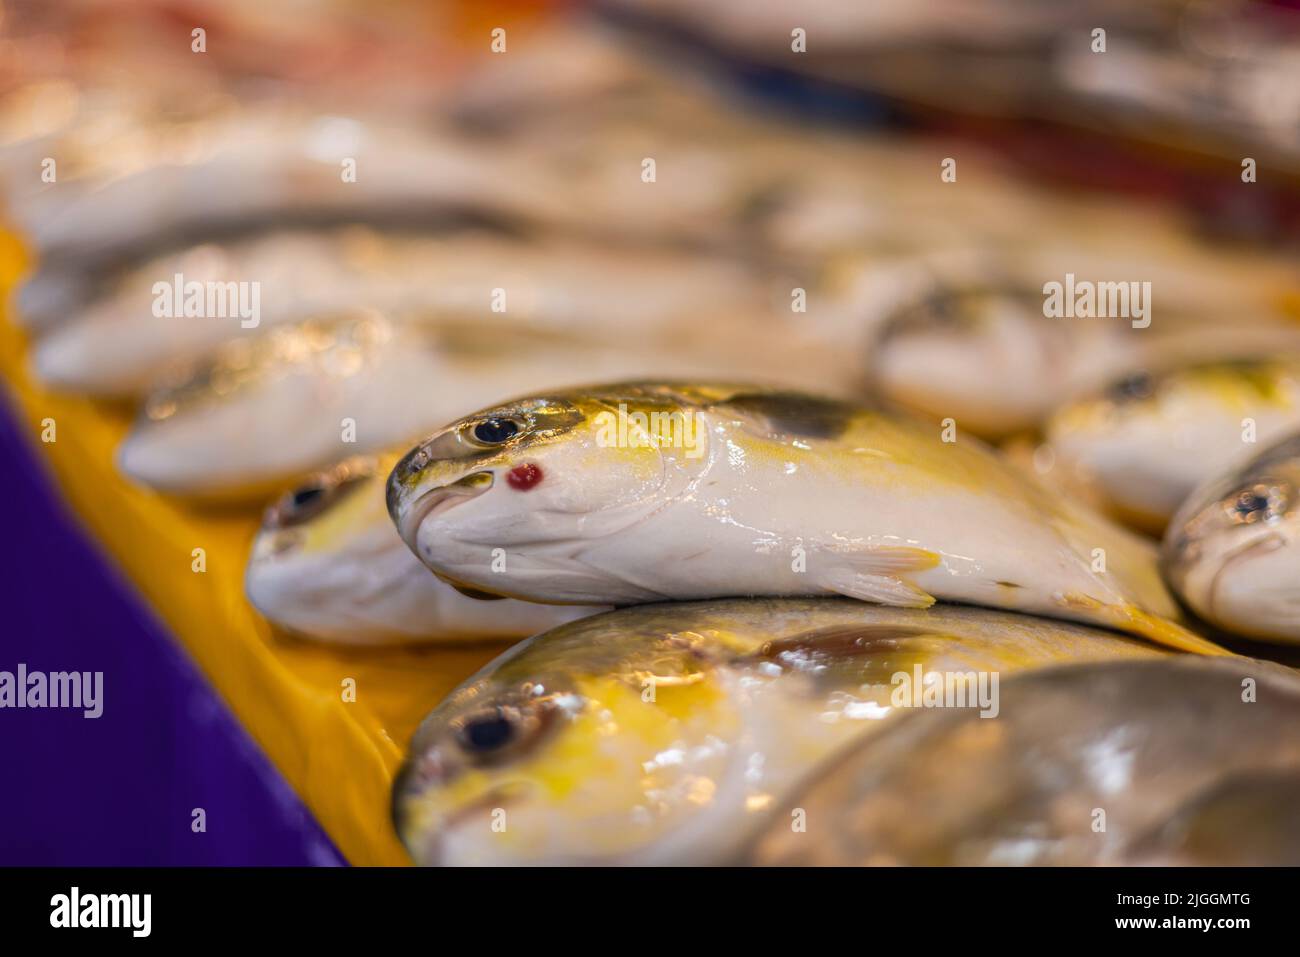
[128, 337]
[639, 492]
[1111, 763]
[1232, 552]
[328, 565]
[273, 407]
[1144, 443]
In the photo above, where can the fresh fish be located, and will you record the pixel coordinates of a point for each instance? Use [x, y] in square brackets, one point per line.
[1176, 761]
[276, 406]
[644, 492]
[120, 344]
[982, 352]
[1232, 552]
[661, 734]
[1147, 441]
[267, 163]
[327, 564]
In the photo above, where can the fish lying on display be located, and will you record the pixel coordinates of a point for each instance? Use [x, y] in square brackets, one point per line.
[1142, 445]
[276, 406]
[328, 564]
[1177, 761]
[144, 183]
[984, 354]
[643, 492]
[1232, 552]
[662, 734]
[163, 312]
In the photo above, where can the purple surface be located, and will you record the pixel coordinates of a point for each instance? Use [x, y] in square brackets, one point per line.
[119, 789]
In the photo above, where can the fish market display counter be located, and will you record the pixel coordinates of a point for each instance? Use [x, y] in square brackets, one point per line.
[333, 721]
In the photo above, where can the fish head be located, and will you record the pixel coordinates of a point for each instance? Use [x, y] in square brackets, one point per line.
[527, 485]
[984, 348]
[321, 546]
[1233, 550]
[593, 743]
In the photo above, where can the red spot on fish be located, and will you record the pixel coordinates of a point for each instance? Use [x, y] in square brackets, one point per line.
[523, 477]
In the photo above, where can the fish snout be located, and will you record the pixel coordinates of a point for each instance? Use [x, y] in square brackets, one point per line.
[437, 499]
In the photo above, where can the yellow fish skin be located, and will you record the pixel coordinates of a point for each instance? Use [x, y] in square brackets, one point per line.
[650, 491]
[1117, 763]
[662, 734]
[1143, 444]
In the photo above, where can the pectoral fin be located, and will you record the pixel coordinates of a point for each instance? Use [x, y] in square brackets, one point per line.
[1168, 633]
[880, 575]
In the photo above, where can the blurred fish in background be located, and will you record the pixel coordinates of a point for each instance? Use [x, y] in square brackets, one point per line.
[294, 241]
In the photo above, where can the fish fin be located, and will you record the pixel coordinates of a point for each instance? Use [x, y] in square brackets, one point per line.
[877, 576]
[1167, 633]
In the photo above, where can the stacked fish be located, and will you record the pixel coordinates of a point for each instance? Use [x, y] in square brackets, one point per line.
[761, 551]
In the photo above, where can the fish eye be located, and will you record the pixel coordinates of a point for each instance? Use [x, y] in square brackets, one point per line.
[496, 431]
[310, 499]
[1132, 388]
[305, 496]
[501, 732]
[1256, 504]
[486, 733]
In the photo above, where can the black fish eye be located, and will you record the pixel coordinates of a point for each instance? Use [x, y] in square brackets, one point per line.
[300, 506]
[1256, 504]
[486, 733]
[495, 431]
[1139, 385]
[1250, 502]
[307, 495]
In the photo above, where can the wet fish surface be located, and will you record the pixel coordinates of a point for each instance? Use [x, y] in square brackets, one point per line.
[662, 734]
[1176, 761]
[650, 491]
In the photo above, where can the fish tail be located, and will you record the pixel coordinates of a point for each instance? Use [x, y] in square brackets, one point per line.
[1168, 633]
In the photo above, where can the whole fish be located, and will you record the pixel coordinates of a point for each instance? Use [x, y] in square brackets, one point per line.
[327, 564]
[1175, 761]
[121, 343]
[141, 182]
[662, 734]
[1142, 445]
[983, 353]
[1232, 552]
[273, 407]
[645, 491]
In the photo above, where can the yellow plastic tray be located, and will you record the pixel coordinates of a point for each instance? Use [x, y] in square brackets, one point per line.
[339, 756]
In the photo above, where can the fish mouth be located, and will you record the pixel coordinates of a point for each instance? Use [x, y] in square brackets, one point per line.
[441, 498]
[271, 543]
[429, 848]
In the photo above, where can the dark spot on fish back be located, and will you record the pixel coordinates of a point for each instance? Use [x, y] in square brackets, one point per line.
[795, 414]
[837, 641]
